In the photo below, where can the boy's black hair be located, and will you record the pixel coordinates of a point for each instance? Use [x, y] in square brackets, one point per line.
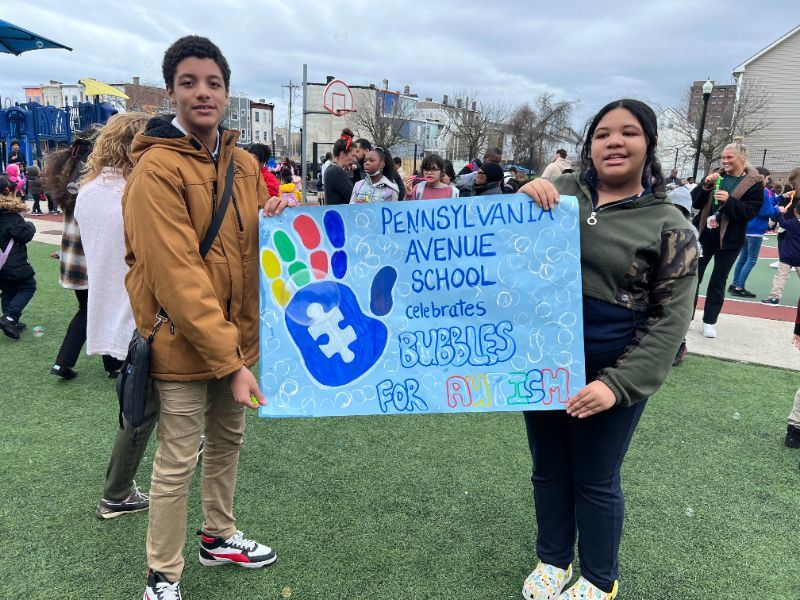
[562, 153]
[763, 171]
[6, 187]
[193, 46]
[286, 175]
[261, 152]
[328, 156]
[364, 144]
[14, 142]
[398, 161]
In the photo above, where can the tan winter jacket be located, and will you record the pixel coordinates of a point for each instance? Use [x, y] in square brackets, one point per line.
[556, 168]
[213, 302]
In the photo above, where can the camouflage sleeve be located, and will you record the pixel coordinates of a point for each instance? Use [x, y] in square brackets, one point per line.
[646, 362]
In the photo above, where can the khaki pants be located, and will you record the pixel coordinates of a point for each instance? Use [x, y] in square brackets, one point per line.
[187, 410]
[794, 416]
[780, 279]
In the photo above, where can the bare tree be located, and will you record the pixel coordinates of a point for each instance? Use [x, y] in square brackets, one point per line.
[473, 123]
[538, 128]
[383, 119]
[746, 118]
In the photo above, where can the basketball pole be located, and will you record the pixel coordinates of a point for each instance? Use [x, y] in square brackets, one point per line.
[304, 135]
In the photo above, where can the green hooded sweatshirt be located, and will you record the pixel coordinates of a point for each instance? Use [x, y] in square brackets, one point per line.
[639, 269]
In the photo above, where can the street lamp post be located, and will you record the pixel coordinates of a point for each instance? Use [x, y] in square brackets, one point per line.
[708, 87]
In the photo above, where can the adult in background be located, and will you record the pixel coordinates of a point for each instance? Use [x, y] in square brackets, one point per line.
[754, 237]
[673, 178]
[338, 183]
[362, 147]
[109, 322]
[636, 308]
[466, 181]
[488, 180]
[722, 223]
[62, 176]
[378, 185]
[558, 166]
[262, 154]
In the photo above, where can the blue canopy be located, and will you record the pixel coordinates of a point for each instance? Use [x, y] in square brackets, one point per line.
[16, 40]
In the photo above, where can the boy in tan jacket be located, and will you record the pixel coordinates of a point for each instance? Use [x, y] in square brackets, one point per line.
[201, 358]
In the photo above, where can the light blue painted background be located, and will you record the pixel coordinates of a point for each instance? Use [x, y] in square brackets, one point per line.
[537, 271]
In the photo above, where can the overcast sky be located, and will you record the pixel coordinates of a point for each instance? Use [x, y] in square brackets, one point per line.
[512, 50]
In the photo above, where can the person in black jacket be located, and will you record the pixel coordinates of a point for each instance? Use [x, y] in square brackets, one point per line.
[337, 182]
[722, 223]
[17, 283]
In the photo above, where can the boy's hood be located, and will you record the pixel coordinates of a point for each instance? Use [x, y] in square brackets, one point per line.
[160, 132]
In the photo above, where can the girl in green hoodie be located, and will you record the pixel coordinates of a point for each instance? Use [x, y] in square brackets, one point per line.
[639, 263]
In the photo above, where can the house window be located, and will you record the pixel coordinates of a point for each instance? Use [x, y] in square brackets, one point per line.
[258, 133]
[256, 116]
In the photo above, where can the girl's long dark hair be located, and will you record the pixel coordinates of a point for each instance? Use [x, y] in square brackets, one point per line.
[64, 167]
[651, 175]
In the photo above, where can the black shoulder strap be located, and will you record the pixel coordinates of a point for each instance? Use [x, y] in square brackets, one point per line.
[216, 222]
[211, 234]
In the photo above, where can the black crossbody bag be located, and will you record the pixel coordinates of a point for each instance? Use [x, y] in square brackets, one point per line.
[134, 382]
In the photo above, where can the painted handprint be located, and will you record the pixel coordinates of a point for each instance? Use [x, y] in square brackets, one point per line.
[337, 341]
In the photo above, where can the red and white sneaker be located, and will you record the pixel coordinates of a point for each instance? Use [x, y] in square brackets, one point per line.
[160, 588]
[237, 550]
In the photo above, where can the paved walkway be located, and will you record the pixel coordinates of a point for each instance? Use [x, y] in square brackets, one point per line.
[747, 330]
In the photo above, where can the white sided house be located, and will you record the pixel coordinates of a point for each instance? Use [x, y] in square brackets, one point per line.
[676, 142]
[776, 68]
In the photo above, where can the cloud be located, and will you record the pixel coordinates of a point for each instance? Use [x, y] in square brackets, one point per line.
[512, 51]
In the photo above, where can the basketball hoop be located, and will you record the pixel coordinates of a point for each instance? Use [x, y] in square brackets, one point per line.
[337, 98]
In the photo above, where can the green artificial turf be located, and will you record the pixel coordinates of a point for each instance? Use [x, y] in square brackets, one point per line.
[400, 507]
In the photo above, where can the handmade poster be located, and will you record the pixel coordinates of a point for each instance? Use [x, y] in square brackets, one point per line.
[437, 306]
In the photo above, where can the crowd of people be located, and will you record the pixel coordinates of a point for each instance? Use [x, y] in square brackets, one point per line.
[139, 193]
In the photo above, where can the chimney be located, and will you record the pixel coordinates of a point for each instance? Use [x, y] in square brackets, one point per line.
[262, 100]
[135, 81]
[474, 105]
[372, 86]
[329, 78]
[428, 99]
[458, 102]
[386, 84]
[407, 90]
[444, 100]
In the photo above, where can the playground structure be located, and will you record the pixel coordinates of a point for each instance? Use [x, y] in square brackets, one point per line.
[39, 129]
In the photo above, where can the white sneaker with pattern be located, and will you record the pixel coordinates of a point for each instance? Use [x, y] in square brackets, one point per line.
[583, 590]
[546, 582]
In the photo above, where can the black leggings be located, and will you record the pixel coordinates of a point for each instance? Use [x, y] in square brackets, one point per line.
[75, 337]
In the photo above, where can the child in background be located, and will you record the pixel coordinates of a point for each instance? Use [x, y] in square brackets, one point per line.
[16, 178]
[434, 186]
[682, 199]
[288, 189]
[17, 283]
[35, 189]
[788, 244]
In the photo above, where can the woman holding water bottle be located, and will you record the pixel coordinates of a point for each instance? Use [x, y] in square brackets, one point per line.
[727, 199]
